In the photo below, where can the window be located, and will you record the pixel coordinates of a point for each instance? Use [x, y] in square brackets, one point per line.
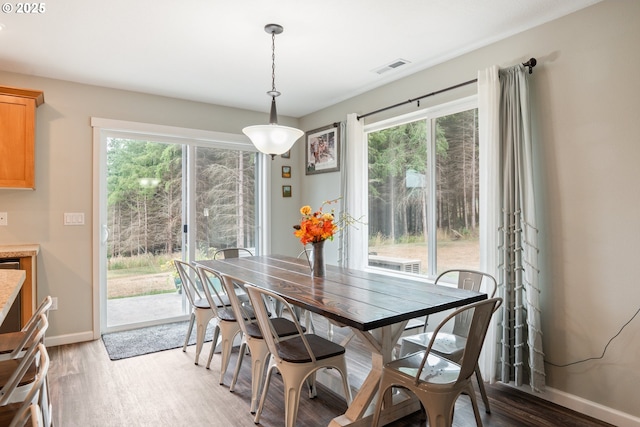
[423, 208]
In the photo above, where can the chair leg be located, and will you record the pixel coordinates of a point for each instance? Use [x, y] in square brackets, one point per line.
[263, 396]
[293, 379]
[202, 321]
[228, 331]
[259, 361]
[192, 319]
[214, 343]
[474, 404]
[483, 392]
[243, 348]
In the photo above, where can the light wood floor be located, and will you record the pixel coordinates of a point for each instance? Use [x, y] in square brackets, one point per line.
[167, 389]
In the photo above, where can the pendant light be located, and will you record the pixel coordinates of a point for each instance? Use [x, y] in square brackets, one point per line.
[273, 139]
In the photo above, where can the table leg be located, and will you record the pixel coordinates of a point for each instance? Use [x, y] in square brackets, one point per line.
[381, 342]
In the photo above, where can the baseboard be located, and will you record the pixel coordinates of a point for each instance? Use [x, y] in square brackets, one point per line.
[53, 341]
[587, 407]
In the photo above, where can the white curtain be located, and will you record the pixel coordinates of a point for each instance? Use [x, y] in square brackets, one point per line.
[353, 173]
[512, 233]
[489, 157]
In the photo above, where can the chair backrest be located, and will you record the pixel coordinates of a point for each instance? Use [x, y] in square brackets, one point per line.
[480, 314]
[307, 253]
[212, 286]
[231, 253]
[244, 312]
[257, 297]
[188, 275]
[44, 307]
[32, 336]
[471, 280]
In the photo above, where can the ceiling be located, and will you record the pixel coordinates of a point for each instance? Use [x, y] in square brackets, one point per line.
[216, 51]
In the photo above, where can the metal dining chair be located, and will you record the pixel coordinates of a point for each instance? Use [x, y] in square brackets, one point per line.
[17, 408]
[252, 336]
[435, 380]
[451, 345]
[231, 253]
[228, 326]
[297, 358]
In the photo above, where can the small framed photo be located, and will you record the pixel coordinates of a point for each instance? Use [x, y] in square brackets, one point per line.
[286, 171]
[322, 150]
[286, 155]
[286, 191]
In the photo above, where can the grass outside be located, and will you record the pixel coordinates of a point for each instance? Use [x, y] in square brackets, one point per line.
[157, 277]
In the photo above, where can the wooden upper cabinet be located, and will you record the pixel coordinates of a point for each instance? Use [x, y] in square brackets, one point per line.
[17, 136]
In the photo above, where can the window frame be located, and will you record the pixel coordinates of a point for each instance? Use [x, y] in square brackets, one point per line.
[430, 115]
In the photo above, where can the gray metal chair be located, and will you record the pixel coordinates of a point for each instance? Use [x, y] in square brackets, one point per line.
[435, 380]
[451, 345]
[231, 253]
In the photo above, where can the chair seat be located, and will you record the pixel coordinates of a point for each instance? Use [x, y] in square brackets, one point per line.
[8, 413]
[283, 327]
[8, 367]
[10, 340]
[226, 314]
[294, 351]
[437, 370]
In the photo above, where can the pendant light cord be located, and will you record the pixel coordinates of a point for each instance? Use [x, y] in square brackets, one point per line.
[273, 62]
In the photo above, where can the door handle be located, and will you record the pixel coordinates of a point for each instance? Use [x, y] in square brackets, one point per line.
[105, 234]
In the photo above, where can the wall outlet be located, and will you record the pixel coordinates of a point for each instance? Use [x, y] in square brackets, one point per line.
[4, 219]
[54, 303]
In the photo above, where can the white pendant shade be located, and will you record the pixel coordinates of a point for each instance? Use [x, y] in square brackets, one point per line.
[272, 138]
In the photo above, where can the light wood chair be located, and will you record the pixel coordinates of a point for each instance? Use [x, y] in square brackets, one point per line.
[451, 345]
[297, 358]
[435, 380]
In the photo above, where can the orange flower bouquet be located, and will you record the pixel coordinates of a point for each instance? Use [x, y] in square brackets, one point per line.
[316, 226]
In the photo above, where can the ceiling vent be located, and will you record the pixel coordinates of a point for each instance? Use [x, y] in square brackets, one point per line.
[391, 66]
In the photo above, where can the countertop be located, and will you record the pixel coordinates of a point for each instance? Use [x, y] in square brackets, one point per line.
[19, 251]
[10, 283]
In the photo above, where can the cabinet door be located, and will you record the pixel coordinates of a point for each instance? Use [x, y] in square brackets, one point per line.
[17, 143]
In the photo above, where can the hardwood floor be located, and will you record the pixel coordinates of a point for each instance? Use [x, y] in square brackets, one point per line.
[167, 389]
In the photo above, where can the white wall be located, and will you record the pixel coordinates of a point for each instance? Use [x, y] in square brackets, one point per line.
[586, 97]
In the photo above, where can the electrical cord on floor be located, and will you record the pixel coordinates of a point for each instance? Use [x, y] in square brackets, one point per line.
[603, 351]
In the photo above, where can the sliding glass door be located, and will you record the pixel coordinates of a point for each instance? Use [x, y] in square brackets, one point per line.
[164, 198]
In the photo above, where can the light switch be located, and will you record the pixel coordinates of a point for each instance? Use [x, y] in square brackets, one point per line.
[74, 218]
[3, 218]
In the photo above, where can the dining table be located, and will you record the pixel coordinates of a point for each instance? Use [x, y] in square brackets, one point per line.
[374, 305]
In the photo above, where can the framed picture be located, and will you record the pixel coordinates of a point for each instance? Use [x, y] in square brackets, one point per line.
[286, 171]
[286, 155]
[286, 191]
[322, 150]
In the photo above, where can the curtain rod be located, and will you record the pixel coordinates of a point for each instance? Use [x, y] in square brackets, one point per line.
[530, 63]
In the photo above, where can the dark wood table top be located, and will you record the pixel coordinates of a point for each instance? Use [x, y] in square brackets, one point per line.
[355, 298]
